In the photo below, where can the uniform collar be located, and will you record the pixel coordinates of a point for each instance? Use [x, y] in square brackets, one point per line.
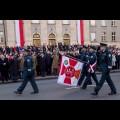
[104, 50]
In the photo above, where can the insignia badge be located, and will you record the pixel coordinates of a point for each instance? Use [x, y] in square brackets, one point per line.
[109, 55]
[28, 60]
[66, 62]
[29, 70]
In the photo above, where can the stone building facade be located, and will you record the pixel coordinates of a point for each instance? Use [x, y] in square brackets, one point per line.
[39, 32]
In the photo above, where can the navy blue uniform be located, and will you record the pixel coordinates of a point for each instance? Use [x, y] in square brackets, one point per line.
[92, 61]
[105, 64]
[28, 74]
[84, 57]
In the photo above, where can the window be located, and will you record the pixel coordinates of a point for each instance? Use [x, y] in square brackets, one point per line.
[113, 23]
[92, 22]
[103, 22]
[66, 22]
[1, 37]
[93, 37]
[35, 21]
[113, 36]
[104, 37]
[51, 21]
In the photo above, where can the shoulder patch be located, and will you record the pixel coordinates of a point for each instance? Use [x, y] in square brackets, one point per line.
[28, 60]
[109, 55]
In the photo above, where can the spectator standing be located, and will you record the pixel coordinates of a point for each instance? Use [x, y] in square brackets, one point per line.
[55, 64]
[4, 68]
[42, 64]
[14, 67]
[48, 63]
[21, 61]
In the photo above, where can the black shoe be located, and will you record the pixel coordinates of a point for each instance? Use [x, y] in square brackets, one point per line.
[77, 85]
[34, 92]
[89, 83]
[83, 88]
[94, 93]
[112, 93]
[17, 92]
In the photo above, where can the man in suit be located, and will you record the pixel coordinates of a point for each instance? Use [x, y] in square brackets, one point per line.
[4, 68]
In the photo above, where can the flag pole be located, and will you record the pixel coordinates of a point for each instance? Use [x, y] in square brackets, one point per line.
[4, 32]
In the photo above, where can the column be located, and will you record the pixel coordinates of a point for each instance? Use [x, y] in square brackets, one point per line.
[10, 30]
[59, 36]
[73, 32]
[27, 33]
[44, 34]
[86, 31]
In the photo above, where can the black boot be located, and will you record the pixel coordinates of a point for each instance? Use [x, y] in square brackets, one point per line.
[83, 88]
[112, 93]
[34, 92]
[94, 93]
[17, 92]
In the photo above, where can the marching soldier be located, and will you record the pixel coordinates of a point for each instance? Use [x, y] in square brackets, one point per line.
[105, 59]
[28, 74]
[92, 67]
[84, 57]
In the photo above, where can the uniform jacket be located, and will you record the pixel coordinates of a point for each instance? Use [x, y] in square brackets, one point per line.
[105, 60]
[28, 63]
[92, 60]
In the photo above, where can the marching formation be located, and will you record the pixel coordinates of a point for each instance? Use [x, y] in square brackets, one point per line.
[33, 61]
[92, 59]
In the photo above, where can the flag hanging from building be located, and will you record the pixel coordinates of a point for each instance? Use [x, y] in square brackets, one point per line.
[70, 71]
[80, 30]
[19, 32]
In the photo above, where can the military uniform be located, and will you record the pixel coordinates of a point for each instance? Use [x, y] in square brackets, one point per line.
[92, 61]
[28, 75]
[105, 64]
[84, 57]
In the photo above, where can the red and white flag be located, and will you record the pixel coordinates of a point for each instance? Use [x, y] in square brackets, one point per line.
[19, 32]
[70, 71]
[80, 30]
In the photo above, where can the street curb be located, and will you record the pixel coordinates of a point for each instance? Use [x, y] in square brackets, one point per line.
[51, 78]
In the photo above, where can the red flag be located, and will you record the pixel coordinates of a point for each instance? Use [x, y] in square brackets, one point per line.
[80, 29]
[19, 32]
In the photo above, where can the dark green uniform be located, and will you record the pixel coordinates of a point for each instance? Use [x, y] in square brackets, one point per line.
[28, 74]
[91, 71]
[105, 64]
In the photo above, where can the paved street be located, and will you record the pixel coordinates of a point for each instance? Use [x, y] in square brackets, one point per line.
[50, 90]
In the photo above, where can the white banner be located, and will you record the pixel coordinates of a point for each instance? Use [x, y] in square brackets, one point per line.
[70, 71]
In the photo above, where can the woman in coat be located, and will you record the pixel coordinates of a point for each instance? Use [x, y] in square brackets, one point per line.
[21, 62]
[35, 64]
[55, 64]
[14, 68]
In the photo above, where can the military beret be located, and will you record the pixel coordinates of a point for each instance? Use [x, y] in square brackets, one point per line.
[103, 44]
[93, 47]
[26, 50]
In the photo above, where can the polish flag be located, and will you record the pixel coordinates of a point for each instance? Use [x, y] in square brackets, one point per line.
[19, 32]
[80, 30]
